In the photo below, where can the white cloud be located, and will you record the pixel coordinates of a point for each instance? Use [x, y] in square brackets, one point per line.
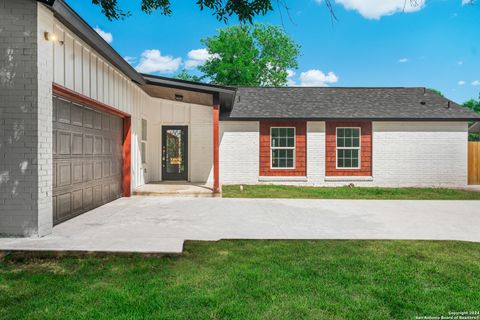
[198, 57]
[460, 63]
[107, 36]
[130, 60]
[464, 2]
[290, 81]
[402, 60]
[316, 78]
[461, 83]
[153, 61]
[375, 9]
[476, 83]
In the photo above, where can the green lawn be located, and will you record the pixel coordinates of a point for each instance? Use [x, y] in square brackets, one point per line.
[250, 280]
[273, 191]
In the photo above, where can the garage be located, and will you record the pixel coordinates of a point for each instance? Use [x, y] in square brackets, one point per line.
[87, 158]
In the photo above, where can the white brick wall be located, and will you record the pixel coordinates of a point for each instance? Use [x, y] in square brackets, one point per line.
[420, 153]
[239, 152]
[404, 154]
[45, 140]
[315, 152]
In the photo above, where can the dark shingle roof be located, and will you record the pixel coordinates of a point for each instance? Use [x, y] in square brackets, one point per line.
[344, 103]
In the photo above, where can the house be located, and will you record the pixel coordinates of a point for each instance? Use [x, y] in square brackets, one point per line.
[80, 127]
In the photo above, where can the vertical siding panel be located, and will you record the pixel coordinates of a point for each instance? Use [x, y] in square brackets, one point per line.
[69, 58]
[86, 72]
[93, 76]
[105, 83]
[116, 93]
[111, 82]
[59, 58]
[121, 91]
[78, 69]
[100, 91]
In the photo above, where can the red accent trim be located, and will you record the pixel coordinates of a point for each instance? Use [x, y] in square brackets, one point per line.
[216, 171]
[126, 152]
[300, 149]
[61, 91]
[331, 149]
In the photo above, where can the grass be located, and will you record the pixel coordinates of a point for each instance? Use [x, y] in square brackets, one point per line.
[276, 191]
[250, 280]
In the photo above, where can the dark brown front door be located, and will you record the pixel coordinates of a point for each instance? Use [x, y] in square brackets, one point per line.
[174, 153]
[87, 159]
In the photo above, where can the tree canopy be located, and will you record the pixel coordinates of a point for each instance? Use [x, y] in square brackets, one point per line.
[473, 105]
[245, 10]
[245, 55]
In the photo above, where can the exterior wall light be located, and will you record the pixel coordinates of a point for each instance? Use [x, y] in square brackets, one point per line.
[51, 37]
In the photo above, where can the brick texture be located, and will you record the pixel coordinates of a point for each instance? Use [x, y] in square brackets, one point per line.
[300, 149]
[365, 143]
[19, 163]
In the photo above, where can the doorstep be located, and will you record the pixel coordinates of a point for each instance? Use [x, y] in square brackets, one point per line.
[175, 189]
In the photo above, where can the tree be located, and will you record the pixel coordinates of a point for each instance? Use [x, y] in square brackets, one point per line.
[437, 92]
[245, 10]
[246, 55]
[473, 105]
[184, 75]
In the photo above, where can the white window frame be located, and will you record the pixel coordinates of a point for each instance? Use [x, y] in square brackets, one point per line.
[284, 148]
[359, 148]
[142, 141]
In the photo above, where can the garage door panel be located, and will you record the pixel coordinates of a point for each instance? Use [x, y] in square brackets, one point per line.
[88, 198]
[87, 159]
[63, 111]
[97, 195]
[76, 115]
[97, 120]
[77, 172]
[97, 170]
[77, 200]
[87, 171]
[97, 146]
[88, 144]
[64, 174]
[64, 141]
[88, 118]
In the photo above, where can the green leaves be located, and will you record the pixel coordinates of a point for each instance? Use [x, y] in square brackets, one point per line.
[250, 56]
[245, 10]
[473, 105]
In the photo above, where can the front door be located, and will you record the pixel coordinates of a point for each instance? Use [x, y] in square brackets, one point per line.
[174, 153]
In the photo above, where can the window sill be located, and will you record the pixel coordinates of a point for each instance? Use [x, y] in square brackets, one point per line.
[348, 178]
[282, 179]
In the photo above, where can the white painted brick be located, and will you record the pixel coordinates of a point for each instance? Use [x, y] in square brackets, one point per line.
[239, 152]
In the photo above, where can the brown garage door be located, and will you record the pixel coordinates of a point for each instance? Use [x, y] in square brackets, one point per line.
[87, 159]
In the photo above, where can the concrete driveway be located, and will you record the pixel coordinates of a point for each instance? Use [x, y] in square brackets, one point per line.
[158, 224]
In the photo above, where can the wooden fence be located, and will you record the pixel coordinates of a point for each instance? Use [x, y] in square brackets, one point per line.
[474, 162]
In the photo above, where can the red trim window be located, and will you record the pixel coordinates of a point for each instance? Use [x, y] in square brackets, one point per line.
[348, 148]
[282, 148]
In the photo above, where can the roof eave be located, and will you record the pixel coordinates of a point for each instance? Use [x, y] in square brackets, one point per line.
[72, 20]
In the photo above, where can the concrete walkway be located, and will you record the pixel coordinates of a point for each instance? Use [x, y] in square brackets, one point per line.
[161, 224]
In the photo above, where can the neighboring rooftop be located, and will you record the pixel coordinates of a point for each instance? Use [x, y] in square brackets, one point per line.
[344, 103]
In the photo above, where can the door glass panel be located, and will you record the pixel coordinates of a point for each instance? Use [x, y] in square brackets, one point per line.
[175, 151]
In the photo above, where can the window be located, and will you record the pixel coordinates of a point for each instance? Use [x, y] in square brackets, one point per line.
[143, 143]
[348, 148]
[282, 148]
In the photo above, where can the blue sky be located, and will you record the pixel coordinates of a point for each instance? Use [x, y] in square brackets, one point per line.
[374, 42]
